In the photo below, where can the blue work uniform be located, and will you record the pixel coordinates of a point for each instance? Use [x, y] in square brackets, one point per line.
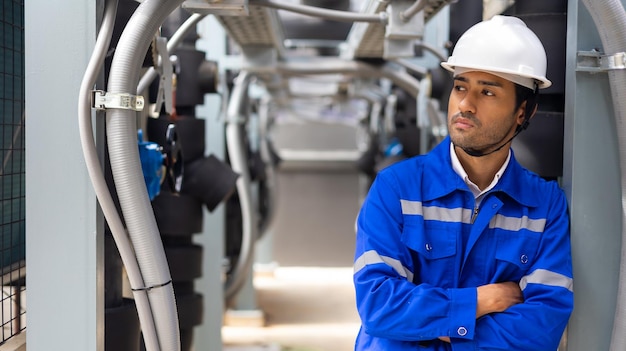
[422, 248]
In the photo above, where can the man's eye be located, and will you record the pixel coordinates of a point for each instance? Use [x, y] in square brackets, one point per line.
[488, 93]
[459, 88]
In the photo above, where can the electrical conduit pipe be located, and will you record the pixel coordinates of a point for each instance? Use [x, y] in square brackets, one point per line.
[328, 14]
[126, 167]
[239, 164]
[266, 156]
[610, 19]
[350, 67]
[92, 162]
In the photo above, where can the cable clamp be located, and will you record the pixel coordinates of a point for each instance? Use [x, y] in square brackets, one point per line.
[595, 61]
[102, 100]
[166, 80]
[148, 288]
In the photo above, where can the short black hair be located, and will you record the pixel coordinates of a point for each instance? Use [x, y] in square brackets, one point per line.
[522, 94]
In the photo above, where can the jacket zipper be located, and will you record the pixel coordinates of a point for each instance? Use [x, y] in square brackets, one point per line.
[475, 214]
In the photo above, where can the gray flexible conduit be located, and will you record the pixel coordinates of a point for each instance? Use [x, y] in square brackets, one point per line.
[270, 170]
[239, 164]
[90, 153]
[126, 167]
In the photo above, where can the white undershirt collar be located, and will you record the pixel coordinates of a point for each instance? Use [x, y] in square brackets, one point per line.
[458, 168]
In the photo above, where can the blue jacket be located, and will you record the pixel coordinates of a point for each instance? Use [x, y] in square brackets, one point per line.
[421, 251]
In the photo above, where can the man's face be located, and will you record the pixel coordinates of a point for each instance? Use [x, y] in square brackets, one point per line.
[480, 111]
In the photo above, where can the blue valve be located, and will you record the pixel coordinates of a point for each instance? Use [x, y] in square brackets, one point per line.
[151, 156]
[393, 148]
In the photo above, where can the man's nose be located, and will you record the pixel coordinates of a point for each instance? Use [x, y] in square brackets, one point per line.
[467, 104]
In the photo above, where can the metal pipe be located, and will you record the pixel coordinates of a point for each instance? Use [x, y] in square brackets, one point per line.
[333, 15]
[337, 66]
[433, 50]
[422, 71]
[417, 6]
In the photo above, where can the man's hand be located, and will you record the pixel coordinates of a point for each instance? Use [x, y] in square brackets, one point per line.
[497, 297]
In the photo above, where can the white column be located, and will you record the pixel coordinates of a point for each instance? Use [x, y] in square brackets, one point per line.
[63, 242]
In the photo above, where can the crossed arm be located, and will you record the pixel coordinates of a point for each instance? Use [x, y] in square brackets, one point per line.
[493, 298]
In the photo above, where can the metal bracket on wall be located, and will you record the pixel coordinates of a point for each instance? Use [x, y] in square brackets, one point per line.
[596, 62]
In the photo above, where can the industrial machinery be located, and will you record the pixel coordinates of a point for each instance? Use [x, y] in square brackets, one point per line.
[370, 64]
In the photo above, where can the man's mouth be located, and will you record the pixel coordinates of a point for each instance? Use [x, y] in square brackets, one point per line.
[461, 122]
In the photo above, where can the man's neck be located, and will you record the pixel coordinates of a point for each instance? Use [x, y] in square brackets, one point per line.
[482, 170]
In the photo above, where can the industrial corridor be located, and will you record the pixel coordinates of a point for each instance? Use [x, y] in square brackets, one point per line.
[306, 293]
[246, 175]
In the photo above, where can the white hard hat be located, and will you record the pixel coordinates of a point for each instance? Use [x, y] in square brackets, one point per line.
[503, 46]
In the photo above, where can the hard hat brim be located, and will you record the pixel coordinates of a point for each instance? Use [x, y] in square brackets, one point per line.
[542, 82]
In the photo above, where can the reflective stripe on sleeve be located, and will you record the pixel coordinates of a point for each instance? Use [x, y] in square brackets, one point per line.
[546, 277]
[372, 257]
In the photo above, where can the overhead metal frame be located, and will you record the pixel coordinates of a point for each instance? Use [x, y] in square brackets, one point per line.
[261, 28]
[366, 40]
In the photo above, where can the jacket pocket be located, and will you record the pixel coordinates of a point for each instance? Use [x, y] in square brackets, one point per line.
[515, 253]
[434, 252]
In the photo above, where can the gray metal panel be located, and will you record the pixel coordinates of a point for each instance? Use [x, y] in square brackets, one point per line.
[591, 179]
[540, 147]
[63, 239]
[314, 224]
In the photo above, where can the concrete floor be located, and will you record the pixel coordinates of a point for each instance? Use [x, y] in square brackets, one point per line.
[305, 309]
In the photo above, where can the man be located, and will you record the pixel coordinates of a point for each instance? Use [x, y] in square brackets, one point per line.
[462, 248]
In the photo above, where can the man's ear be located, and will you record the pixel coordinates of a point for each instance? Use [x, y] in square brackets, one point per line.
[521, 112]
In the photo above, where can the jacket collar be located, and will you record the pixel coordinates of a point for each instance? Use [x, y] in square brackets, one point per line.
[445, 180]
